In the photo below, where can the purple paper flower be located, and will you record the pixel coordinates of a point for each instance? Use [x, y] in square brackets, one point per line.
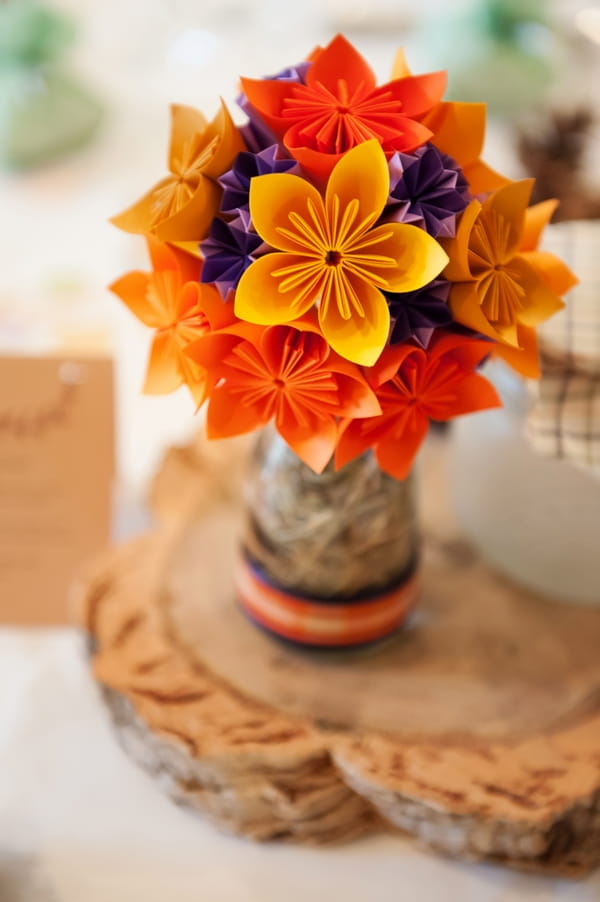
[255, 133]
[427, 189]
[228, 251]
[236, 181]
[417, 314]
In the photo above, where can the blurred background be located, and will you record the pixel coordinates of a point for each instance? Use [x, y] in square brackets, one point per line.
[84, 94]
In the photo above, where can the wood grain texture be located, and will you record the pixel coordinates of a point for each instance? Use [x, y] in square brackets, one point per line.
[476, 730]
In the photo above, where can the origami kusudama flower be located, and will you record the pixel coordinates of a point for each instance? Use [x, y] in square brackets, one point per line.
[417, 314]
[228, 251]
[502, 286]
[291, 376]
[181, 206]
[426, 189]
[171, 300]
[330, 252]
[414, 386]
[341, 106]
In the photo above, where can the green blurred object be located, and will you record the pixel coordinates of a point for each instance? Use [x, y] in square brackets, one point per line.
[504, 52]
[45, 111]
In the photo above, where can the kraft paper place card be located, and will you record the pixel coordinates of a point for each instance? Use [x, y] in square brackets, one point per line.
[56, 471]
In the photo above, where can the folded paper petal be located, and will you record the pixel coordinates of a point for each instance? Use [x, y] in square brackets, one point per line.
[419, 257]
[539, 302]
[314, 443]
[277, 201]
[537, 218]
[274, 290]
[359, 183]
[226, 417]
[359, 339]
[551, 270]
[524, 359]
[341, 60]
[133, 290]
[418, 94]
[396, 458]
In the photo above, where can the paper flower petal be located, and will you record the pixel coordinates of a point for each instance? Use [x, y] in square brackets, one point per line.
[418, 93]
[360, 340]
[524, 359]
[458, 268]
[419, 257]
[314, 443]
[163, 374]
[133, 290]
[551, 270]
[226, 417]
[366, 195]
[537, 218]
[341, 59]
[510, 202]
[276, 200]
[260, 297]
[539, 302]
[396, 458]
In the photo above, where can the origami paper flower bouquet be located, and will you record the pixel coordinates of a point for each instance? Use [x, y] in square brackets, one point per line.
[339, 265]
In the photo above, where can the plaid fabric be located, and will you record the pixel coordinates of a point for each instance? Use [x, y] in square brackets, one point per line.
[564, 421]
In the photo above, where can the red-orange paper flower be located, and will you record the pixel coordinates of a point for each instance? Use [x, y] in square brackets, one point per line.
[171, 300]
[341, 106]
[414, 386]
[288, 375]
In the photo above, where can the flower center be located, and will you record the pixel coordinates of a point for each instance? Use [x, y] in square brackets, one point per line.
[333, 258]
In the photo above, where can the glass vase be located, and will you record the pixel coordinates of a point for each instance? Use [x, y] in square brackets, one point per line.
[329, 559]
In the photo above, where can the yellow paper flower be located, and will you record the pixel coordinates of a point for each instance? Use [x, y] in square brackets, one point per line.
[330, 252]
[503, 286]
[180, 206]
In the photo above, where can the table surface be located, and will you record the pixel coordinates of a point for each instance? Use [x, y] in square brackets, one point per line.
[96, 828]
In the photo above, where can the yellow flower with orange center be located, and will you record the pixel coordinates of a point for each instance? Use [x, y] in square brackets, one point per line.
[503, 285]
[330, 252]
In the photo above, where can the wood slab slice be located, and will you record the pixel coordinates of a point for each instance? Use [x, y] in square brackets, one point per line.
[476, 729]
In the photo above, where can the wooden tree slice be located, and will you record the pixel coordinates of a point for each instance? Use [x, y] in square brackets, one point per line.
[476, 729]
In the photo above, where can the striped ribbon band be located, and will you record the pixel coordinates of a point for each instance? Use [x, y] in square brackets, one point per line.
[323, 623]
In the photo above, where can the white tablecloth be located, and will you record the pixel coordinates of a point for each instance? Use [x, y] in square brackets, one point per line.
[97, 829]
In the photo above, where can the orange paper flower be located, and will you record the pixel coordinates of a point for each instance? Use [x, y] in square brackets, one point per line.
[341, 106]
[503, 286]
[288, 374]
[414, 386]
[172, 301]
[331, 252]
[181, 206]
